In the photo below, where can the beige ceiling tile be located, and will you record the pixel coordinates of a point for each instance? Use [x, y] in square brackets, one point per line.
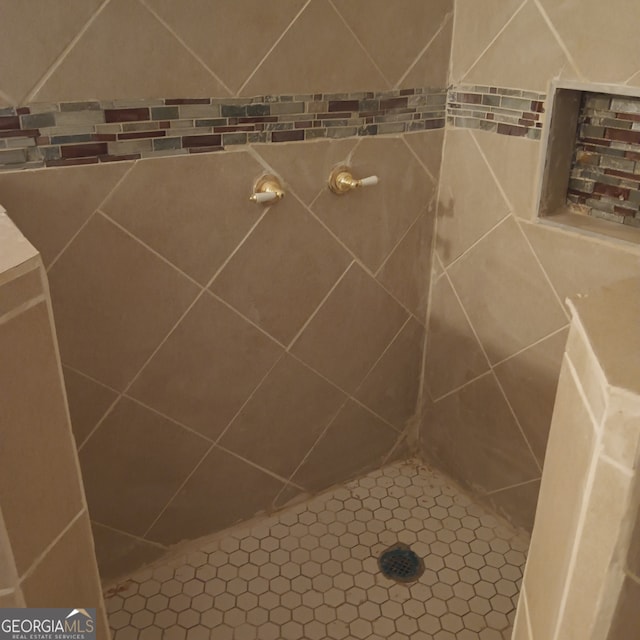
[119, 554]
[574, 262]
[428, 146]
[372, 220]
[145, 61]
[351, 330]
[476, 24]
[306, 170]
[193, 210]
[472, 435]
[613, 26]
[391, 387]
[114, 301]
[432, 68]
[134, 463]
[205, 504]
[505, 294]
[453, 354]
[222, 359]
[514, 162]
[394, 33]
[50, 205]
[210, 28]
[288, 257]
[356, 442]
[525, 55]
[470, 200]
[284, 418]
[307, 61]
[33, 33]
[517, 504]
[406, 272]
[530, 380]
[88, 401]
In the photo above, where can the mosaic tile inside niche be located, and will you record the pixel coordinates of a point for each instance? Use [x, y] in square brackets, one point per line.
[605, 170]
[511, 112]
[311, 571]
[72, 133]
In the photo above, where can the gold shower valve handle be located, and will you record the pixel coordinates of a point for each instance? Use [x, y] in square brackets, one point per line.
[267, 189]
[341, 181]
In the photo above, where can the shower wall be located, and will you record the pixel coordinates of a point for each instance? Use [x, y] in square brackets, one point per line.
[222, 358]
[498, 324]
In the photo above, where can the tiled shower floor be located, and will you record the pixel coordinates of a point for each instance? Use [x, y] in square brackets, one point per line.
[310, 572]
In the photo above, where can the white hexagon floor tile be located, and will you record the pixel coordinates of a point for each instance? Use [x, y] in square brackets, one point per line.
[311, 571]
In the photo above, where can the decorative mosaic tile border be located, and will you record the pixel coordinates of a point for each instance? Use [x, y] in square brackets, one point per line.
[72, 133]
[510, 112]
[605, 171]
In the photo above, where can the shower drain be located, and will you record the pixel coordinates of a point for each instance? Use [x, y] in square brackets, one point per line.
[400, 563]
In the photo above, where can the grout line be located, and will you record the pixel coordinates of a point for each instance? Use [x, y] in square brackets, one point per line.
[533, 344]
[617, 465]
[361, 45]
[583, 396]
[130, 535]
[88, 377]
[481, 54]
[175, 34]
[558, 39]
[178, 490]
[22, 308]
[445, 23]
[627, 81]
[415, 155]
[34, 565]
[632, 576]
[273, 46]
[403, 437]
[68, 244]
[513, 486]
[462, 386]
[31, 95]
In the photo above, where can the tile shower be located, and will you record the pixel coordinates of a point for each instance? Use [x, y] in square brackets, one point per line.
[223, 359]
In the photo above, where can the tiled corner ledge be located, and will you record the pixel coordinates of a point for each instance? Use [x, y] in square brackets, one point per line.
[511, 112]
[72, 133]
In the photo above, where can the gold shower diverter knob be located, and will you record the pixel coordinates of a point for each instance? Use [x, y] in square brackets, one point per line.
[341, 181]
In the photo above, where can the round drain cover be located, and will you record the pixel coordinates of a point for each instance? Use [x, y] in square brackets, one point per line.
[400, 563]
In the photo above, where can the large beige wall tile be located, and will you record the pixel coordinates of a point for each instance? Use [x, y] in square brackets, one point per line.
[210, 28]
[454, 355]
[67, 576]
[621, 436]
[470, 200]
[525, 55]
[306, 61]
[134, 463]
[406, 272]
[371, 221]
[283, 418]
[33, 33]
[596, 552]
[118, 554]
[574, 262]
[10, 599]
[205, 503]
[473, 435]
[514, 162]
[8, 572]
[391, 388]
[561, 494]
[427, 145]
[20, 290]
[530, 381]
[626, 620]
[475, 26]
[35, 509]
[355, 442]
[222, 359]
[193, 210]
[517, 504]
[633, 556]
[612, 25]
[305, 169]
[127, 53]
[432, 68]
[394, 33]
[50, 205]
[288, 257]
[114, 301]
[504, 291]
[88, 401]
[351, 330]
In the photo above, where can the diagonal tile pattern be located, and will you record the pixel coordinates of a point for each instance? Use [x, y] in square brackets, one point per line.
[311, 571]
